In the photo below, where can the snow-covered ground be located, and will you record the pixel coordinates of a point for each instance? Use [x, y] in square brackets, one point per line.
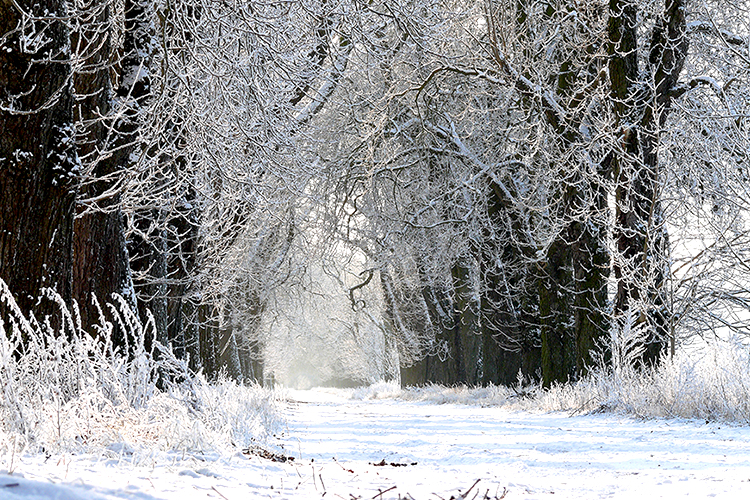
[441, 451]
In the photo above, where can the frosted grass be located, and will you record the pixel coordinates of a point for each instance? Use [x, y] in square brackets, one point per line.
[711, 385]
[65, 391]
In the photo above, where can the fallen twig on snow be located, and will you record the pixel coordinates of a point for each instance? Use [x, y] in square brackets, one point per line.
[382, 492]
[339, 464]
[217, 491]
[465, 495]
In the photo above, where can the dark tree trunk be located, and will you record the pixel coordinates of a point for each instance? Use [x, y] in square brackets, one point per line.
[510, 328]
[413, 372]
[38, 164]
[451, 319]
[590, 260]
[573, 297]
[207, 333]
[102, 265]
[444, 367]
[410, 317]
[253, 350]
[229, 357]
[571, 284]
[510, 298]
[149, 250]
[466, 327]
[181, 266]
[410, 374]
[641, 109]
[556, 296]
[249, 345]
[591, 264]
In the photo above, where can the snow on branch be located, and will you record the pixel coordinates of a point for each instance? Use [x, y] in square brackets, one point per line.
[725, 35]
[324, 92]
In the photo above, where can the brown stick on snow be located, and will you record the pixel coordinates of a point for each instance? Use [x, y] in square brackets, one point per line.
[466, 495]
[381, 492]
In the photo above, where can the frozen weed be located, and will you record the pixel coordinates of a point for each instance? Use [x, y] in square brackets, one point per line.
[713, 385]
[67, 391]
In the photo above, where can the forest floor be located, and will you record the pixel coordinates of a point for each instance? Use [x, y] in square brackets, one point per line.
[390, 449]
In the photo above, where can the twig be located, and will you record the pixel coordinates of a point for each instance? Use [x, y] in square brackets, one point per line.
[465, 495]
[580, 408]
[219, 493]
[383, 491]
[12, 455]
[339, 464]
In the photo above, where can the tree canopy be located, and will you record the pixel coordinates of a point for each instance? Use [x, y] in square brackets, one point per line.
[454, 192]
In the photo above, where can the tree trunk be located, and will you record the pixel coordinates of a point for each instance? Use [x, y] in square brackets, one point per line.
[591, 268]
[181, 266]
[641, 109]
[228, 355]
[510, 296]
[207, 333]
[466, 326]
[556, 296]
[443, 367]
[571, 282]
[107, 136]
[413, 372]
[39, 173]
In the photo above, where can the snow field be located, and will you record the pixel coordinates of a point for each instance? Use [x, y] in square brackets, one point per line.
[335, 442]
[528, 455]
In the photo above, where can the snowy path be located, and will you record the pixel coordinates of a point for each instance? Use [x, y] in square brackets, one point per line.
[533, 456]
[336, 441]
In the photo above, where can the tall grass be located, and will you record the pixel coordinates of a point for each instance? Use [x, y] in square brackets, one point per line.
[713, 384]
[65, 390]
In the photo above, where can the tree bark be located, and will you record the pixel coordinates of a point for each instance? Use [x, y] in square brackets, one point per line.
[641, 110]
[107, 135]
[556, 297]
[510, 297]
[38, 164]
[466, 326]
[571, 282]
